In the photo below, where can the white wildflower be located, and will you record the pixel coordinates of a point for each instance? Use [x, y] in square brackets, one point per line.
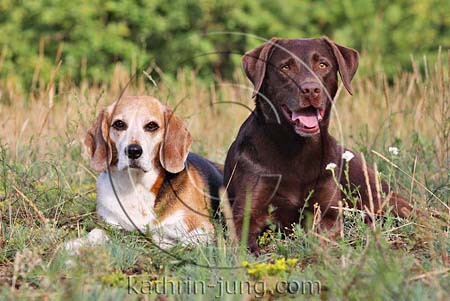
[330, 166]
[393, 150]
[347, 156]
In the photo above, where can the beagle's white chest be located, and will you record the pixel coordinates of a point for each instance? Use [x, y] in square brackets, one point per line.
[132, 205]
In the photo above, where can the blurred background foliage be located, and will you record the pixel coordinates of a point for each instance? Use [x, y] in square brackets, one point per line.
[89, 36]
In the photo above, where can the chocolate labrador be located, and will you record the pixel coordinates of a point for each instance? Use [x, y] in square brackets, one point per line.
[280, 155]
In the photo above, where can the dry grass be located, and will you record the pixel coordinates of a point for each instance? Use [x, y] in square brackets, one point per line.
[415, 102]
[45, 115]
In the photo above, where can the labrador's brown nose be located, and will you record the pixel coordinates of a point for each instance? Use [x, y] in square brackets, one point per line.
[311, 89]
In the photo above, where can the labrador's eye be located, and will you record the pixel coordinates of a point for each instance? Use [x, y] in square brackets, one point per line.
[119, 125]
[151, 126]
[285, 67]
[323, 66]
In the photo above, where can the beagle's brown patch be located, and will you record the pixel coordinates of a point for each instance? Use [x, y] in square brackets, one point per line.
[158, 183]
[188, 192]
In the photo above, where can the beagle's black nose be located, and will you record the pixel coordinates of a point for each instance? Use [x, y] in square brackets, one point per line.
[133, 151]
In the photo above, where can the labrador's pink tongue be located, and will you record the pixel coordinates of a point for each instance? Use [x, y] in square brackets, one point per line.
[307, 118]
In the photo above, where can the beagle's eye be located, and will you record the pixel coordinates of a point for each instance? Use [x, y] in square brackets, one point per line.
[119, 125]
[323, 66]
[151, 126]
[285, 67]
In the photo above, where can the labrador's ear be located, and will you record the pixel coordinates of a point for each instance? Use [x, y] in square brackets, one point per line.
[176, 143]
[255, 63]
[347, 59]
[99, 144]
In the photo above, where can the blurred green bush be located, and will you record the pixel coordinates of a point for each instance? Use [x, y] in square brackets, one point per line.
[89, 36]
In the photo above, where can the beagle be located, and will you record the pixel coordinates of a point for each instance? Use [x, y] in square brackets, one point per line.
[149, 181]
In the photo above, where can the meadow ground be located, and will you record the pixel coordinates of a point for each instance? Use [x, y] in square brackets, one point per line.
[47, 196]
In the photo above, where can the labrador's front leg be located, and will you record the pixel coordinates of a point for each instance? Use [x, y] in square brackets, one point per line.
[260, 195]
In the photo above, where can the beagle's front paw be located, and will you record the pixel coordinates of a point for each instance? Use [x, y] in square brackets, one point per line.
[95, 237]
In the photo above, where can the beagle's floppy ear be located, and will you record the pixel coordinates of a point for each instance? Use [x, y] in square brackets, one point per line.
[347, 59]
[176, 143]
[255, 63]
[99, 147]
